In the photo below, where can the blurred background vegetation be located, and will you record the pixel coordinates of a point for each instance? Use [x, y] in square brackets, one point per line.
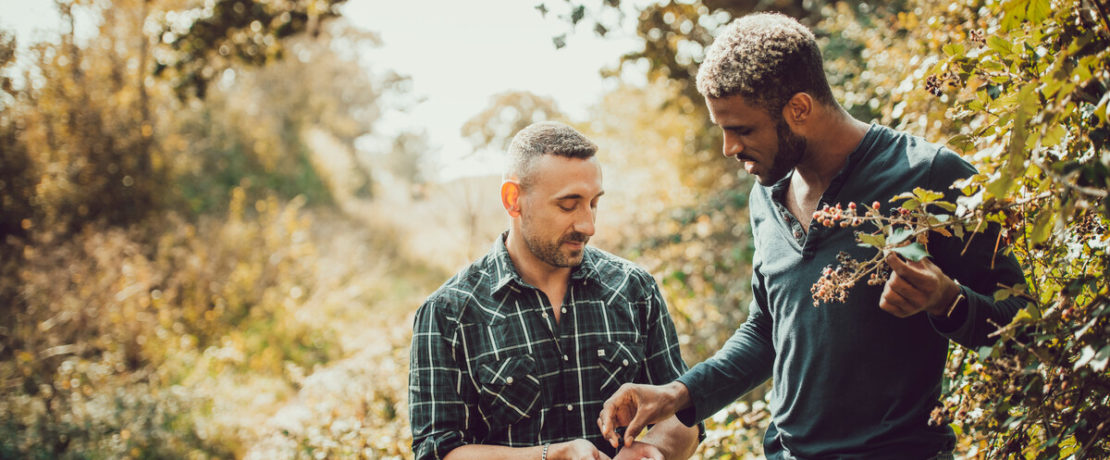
[197, 259]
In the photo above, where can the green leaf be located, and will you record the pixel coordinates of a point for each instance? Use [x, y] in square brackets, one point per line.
[914, 251]
[1054, 135]
[901, 196]
[1038, 10]
[927, 196]
[1001, 186]
[961, 142]
[1101, 111]
[1042, 227]
[1000, 45]
[954, 49]
[945, 206]
[1022, 316]
[1001, 294]
[991, 66]
[868, 239]
[899, 235]
[911, 204]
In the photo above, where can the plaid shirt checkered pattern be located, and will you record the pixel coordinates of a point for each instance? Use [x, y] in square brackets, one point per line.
[489, 364]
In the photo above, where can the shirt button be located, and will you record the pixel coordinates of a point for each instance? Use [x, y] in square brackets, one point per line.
[566, 358]
[625, 362]
[509, 380]
[797, 234]
[570, 407]
[544, 315]
[564, 309]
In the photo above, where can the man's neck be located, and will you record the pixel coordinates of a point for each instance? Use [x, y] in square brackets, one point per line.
[829, 142]
[835, 137]
[530, 268]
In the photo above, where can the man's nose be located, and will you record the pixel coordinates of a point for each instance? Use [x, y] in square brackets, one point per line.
[731, 146]
[584, 221]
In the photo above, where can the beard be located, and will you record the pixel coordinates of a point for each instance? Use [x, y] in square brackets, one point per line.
[551, 251]
[792, 148]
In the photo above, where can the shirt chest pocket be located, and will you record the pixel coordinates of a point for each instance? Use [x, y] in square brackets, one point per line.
[508, 389]
[620, 363]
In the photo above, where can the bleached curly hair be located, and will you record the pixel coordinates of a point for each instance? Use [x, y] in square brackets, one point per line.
[767, 58]
[545, 138]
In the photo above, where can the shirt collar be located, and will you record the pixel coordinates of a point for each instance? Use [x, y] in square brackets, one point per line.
[504, 272]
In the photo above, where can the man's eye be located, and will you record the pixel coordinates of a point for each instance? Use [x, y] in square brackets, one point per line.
[566, 208]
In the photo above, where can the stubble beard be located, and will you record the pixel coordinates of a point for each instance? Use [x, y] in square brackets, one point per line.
[792, 148]
[551, 252]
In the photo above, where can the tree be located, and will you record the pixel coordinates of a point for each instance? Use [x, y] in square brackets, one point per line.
[253, 124]
[507, 114]
[202, 41]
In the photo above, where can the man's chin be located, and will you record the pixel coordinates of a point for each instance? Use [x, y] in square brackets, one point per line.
[573, 258]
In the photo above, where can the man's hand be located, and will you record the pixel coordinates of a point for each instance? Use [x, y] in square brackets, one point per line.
[578, 449]
[637, 406]
[639, 451]
[917, 286]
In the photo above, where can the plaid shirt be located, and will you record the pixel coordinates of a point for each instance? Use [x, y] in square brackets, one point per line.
[489, 364]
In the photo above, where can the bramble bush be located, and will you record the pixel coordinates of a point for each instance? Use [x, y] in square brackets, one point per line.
[119, 334]
[1024, 91]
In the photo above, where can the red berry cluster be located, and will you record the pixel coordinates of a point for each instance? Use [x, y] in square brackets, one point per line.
[834, 283]
[832, 216]
[836, 280]
[832, 286]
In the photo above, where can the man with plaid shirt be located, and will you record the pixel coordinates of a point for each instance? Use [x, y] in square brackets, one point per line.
[514, 356]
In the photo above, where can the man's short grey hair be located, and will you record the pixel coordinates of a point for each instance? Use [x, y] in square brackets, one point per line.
[545, 138]
[767, 58]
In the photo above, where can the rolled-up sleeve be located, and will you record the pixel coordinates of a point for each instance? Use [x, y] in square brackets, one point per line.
[439, 413]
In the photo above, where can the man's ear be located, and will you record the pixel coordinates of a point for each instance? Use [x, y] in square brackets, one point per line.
[798, 110]
[510, 197]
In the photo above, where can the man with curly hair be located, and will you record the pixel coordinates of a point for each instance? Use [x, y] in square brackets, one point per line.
[513, 357]
[855, 380]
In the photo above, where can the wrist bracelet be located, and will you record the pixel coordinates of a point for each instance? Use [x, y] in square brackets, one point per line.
[544, 455]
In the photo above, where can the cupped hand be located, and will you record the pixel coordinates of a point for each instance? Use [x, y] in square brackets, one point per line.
[639, 451]
[578, 449]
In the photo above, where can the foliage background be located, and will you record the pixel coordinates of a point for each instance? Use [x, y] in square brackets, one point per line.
[196, 260]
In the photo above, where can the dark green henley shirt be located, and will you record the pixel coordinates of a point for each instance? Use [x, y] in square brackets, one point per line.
[851, 380]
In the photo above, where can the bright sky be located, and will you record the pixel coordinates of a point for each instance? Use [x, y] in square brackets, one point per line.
[458, 54]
